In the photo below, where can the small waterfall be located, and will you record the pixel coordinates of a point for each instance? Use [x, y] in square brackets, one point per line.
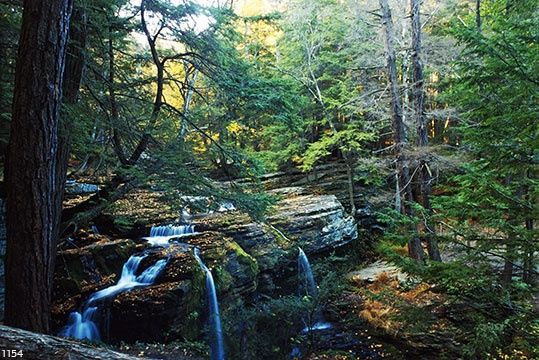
[309, 287]
[305, 274]
[129, 280]
[217, 344]
[82, 325]
[161, 235]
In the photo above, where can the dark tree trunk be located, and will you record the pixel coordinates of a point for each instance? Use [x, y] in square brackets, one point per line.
[399, 132]
[114, 114]
[528, 264]
[422, 128]
[76, 56]
[32, 168]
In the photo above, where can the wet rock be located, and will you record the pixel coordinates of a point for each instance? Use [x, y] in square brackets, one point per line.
[240, 252]
[80, 272]
[77, 188]
[335, 339]
[172, 308]
[317, 223]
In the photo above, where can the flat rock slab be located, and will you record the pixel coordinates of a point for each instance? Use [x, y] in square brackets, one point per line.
[371, 272]
[45, 347]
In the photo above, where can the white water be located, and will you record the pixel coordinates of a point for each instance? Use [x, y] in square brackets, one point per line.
[129, 280]
[305, 274]
[309, 287]
[82, 325]
[161, 235]
[217, 344]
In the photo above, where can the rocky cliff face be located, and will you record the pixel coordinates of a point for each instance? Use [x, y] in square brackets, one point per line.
[246, 257]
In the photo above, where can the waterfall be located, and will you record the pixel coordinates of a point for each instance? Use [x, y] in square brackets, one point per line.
[161, 235]
[82, 325]
[305, 275]
[129, 280]
[217, 344]
[308, 287]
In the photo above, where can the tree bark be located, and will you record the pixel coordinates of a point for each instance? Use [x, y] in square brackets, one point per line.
[422, 129]
[399, 132]
[160, 80]
[32, 167]
[114, 114]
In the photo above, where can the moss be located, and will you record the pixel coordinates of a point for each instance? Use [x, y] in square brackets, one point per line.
[72, 272]
[190, 324]
[110, 259]
[223, 279]
[124, 223]
[244, 259]
[280, 238]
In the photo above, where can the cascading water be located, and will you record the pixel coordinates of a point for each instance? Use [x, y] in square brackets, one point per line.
[129, 280]
[161, 235]
[82, 325]
[217, 344]
[308, 286]
[305, 274]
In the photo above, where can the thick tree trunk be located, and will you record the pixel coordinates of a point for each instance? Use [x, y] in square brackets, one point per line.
[399, 132]
[32, 168]
[422, 128]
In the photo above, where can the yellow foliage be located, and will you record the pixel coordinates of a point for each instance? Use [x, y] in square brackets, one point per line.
[234, 128]
[401, 250]
[376, 313]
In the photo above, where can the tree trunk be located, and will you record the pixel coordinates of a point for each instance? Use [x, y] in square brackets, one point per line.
[32, 168]
[422, 129]
[114, 114]
[399, 133]
[528, 263]
[159, 82]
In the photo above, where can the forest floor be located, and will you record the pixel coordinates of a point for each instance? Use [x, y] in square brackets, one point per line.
[172, 351]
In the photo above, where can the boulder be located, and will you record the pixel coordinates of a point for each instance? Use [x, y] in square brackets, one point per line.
[317, 223]
[83, 270]
[45, 347]
[172, 308]
[240, 253]
[77, 188]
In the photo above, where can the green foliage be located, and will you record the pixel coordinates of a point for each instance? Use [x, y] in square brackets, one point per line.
[271, 327]
[349, 140]
[496, 90]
